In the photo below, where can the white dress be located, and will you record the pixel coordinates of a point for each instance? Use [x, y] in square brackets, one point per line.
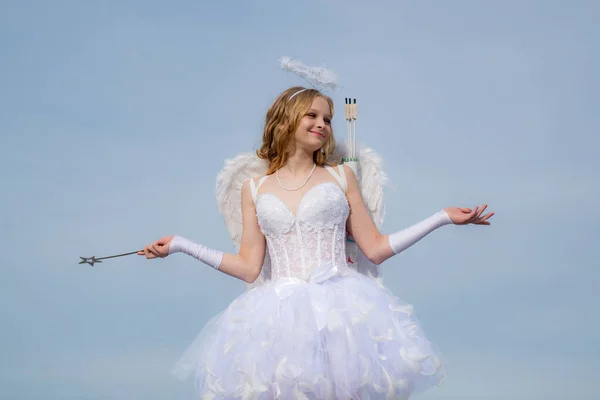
[317, 329]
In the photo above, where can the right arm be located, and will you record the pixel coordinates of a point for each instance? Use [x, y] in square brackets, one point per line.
[248, 263]
[245, 266]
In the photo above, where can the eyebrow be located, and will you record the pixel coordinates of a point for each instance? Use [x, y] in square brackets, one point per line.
[313, 110]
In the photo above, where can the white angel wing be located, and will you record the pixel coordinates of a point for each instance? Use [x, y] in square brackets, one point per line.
[229, 199]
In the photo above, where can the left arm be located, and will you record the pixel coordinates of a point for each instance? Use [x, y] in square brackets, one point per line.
[378, 247]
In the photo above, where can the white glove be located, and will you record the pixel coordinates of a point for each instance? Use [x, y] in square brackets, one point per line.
[402, 240]
[200, 252]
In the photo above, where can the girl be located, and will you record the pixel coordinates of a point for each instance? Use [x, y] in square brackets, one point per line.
[317, 329]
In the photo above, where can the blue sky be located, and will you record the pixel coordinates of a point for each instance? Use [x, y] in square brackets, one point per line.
[116, 117]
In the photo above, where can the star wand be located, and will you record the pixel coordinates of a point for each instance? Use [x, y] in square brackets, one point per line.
[93, 260]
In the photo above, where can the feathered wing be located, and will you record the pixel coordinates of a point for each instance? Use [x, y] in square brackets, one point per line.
[229, 199]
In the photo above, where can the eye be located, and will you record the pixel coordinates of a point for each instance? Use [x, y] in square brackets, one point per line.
[328, 121]
[312, 115]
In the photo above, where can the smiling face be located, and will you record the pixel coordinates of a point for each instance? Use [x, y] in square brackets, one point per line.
[315, 126]
[299, 119]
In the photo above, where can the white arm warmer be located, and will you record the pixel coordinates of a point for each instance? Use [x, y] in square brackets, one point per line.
[200, 252]
[402, 240]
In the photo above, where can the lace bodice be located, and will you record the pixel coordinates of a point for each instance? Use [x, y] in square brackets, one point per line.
[315, 236]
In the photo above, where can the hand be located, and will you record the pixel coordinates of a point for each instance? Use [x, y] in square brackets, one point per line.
[464, 216]
[158, 249]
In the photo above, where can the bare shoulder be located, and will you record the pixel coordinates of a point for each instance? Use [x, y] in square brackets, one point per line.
[347, 169]
[350, 176]
[255, 180]
[251, 185]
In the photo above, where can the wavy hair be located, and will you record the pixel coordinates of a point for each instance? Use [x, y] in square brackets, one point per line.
[282, 120]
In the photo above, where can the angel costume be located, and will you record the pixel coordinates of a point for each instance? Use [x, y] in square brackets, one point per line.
[318, 322]
[313, 326]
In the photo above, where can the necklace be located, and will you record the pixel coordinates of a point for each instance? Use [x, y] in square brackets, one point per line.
[299, 187]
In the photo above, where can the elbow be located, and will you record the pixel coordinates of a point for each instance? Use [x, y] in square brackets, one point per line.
[379, 251]
[376, 259]
[374, 256]
[252, 275]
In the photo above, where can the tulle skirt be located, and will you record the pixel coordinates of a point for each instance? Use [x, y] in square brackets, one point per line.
[346, 337]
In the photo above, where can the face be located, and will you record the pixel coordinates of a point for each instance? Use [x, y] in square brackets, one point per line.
[315, 127]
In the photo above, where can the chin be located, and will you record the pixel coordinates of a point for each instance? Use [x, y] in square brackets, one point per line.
[317, 147]
[311, 143]
[318, 143]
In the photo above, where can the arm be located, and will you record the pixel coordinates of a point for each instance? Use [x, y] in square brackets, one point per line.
[245, 266]
[378, 247]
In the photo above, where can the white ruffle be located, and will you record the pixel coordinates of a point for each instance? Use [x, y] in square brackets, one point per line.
[337, 335]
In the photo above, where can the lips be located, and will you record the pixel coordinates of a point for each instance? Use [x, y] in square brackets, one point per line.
[319, 134]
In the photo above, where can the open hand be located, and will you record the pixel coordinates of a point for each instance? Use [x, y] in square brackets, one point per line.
[158, 249]
[464, 216]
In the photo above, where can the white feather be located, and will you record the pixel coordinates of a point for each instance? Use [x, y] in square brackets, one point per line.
[316, 76]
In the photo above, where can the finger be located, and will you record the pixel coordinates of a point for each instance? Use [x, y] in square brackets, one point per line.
[154, 249]
[472, 216]
[481, 210]
[489, 215]
[159, 250]
[486, 216]
[148, 253]
[466, 210]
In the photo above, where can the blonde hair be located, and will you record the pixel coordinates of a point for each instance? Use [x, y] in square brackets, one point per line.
[281, 123]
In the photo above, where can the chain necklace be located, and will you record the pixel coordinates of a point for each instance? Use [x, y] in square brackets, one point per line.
[299, 187]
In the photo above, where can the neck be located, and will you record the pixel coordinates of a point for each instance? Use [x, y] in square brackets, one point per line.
[299, 162]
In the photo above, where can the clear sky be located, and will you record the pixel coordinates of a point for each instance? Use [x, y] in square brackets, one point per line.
[115, 118]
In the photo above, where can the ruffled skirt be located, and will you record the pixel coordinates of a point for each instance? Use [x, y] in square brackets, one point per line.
[346, 337]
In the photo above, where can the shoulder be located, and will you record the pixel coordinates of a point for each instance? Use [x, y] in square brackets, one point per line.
[348, 172]
[252, 181]
[248, 186]
[345, 174]
[350, 177]
[251, 185]
[337, 167]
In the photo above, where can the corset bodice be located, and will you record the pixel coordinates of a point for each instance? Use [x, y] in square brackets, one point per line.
[315, 236]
